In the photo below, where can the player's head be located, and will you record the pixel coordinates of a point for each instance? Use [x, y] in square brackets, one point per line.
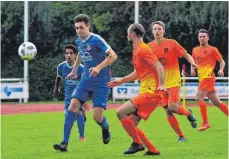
[70, 53]
[134, 31]
[82, 25]
[158, 29]
[203, 36]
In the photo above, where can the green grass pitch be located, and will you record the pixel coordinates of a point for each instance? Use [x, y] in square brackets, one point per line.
[31, 136]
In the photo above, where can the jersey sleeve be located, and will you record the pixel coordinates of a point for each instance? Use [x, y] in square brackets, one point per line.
[59, 71]
[148, 56]
[102, 45]
[180, 51]
[217, 54]
[193, 54]
[80, 70]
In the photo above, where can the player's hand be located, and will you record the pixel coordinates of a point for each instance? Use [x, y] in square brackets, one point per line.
[94, 71]
[114, 83]
[161, 88]
[193, 73]
[56, 92]
[85, 106]
[71, 75]
[194, 66]
[220, 73]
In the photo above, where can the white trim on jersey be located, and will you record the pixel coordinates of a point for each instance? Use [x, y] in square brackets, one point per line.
[104, 42]
[86, 38]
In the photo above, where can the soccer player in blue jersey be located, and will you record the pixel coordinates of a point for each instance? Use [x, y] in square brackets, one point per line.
[63, 70]
[97, 57]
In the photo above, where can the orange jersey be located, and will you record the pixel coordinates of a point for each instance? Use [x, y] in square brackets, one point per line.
[143, 59]
[167, 53]
[205, 58]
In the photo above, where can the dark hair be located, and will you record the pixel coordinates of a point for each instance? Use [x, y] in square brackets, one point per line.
[70, 46]
[203, 31]
[138, 29]
[159, 23]
[82, 18]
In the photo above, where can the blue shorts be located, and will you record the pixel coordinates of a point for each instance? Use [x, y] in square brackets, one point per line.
[67, 104]
[98, 90]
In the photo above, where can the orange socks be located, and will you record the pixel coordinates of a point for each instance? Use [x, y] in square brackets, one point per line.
[224, 108]
[175, 125]
[183, 111]
[203, 110]
[146, 141]
[131, 129]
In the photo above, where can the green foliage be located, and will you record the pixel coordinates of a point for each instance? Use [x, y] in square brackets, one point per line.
[51, 27]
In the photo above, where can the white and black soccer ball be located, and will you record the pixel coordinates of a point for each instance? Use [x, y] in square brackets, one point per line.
[27, 51]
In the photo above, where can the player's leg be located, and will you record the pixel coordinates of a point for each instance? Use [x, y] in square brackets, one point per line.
[152, 150]
[79, 96]
[171, 118]
[173, 105]
[201, 94]
[123, 114]
[216, 101]
[174, 124]
[81, 124]
[100, 99]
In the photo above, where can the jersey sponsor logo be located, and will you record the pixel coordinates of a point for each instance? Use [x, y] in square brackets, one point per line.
[166, 50]
[86, 56]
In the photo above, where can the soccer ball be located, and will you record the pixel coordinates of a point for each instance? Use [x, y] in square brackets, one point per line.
[27, 51]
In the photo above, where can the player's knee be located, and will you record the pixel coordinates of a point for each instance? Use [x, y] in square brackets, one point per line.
[98, 118]
[74, 105]
[172, 107]
[119, 114]
[168, 112]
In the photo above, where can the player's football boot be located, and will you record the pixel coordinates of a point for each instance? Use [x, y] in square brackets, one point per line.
[135, 147]
[106, 135]
[182, 139]
[63, 147]
[204, 126]
[82, 139]
[148, 153]
[192, 119]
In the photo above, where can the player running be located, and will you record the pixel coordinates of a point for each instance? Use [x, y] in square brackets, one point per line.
[150, 72]
[168, 51]
[97, 57]
[206, 56]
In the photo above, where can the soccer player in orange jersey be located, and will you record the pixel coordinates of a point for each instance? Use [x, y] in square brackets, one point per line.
[168, 51]
[206, 56]
[150, 72]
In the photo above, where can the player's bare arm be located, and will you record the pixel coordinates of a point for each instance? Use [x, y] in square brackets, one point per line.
[128, 78]
[221, 68]
[57, 84]
[190, 60]
[75, 67]
[111, 58]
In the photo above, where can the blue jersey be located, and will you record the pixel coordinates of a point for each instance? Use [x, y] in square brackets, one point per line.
[93, 51]
[63, 69]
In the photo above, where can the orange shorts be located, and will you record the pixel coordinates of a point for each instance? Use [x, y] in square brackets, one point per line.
[173, 96]
[207, 85]
[146, 103]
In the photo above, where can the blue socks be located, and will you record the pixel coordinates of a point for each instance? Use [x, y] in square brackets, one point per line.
[68, 123]
[81, 124]
[104, 123]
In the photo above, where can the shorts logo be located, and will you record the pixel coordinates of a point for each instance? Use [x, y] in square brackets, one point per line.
[166, 50]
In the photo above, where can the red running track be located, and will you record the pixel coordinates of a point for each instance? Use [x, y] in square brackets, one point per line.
[36, 108]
